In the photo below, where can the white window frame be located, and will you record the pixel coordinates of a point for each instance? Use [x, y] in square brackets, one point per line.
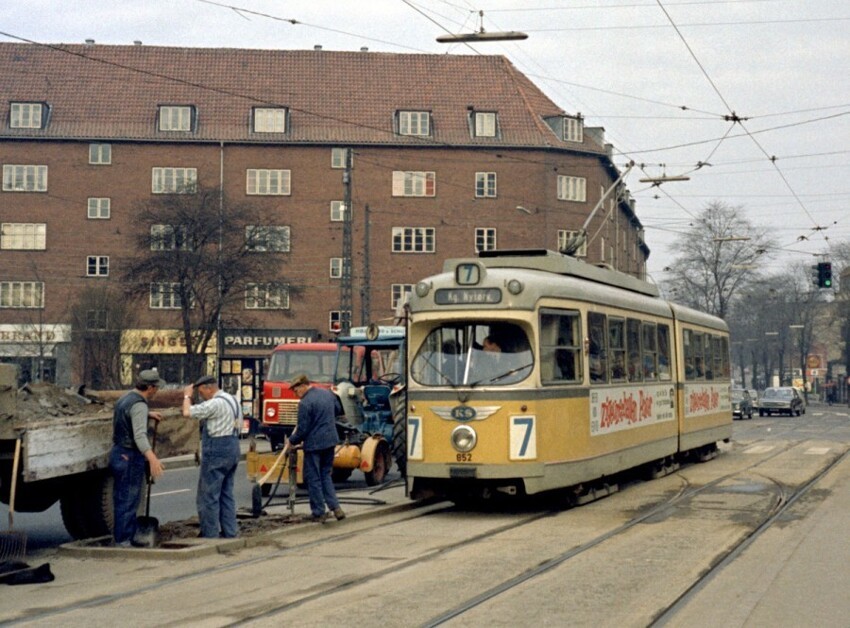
[164, 296]
[27, 115]
[564, 235]
[266, 296]
[485, 185]
[414, 240]
[398, 292]
[335, 320]
[99, 208]
[414, 183]
[339, 156]
[270, 119]
[335, 268]
[572, 188]
[484, 123]
[337, 211]
[100, 154]
[22, 294]
[268, 238]
[176, 118]
[97, 266]
[23, 236]
[267, 182]
[485, 239]
[170, 238]
[167, 180]
[573, 129]
[414, 123]
[24, 178]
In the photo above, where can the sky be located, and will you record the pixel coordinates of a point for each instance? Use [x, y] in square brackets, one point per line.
[750, 99]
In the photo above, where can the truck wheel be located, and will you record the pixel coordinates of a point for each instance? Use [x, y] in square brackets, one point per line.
[380, 466]
[400, 443]
[87, 505]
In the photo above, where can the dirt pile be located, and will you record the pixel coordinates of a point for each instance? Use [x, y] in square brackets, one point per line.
[248, 526]
[42, 401]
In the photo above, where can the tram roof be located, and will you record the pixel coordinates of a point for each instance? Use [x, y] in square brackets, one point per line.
[554, 262]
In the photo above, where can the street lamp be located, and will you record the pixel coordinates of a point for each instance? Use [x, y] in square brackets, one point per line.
[481, 35]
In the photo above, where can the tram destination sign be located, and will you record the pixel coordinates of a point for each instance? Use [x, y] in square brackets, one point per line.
[465, 296]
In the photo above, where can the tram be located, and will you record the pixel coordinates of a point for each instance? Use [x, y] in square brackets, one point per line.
[531, 371]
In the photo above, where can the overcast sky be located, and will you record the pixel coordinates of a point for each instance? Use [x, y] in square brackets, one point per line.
[662, 77]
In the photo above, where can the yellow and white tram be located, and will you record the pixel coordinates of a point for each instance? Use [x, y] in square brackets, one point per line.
[531, 371]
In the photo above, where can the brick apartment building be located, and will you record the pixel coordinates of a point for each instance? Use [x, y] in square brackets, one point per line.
[449, 154]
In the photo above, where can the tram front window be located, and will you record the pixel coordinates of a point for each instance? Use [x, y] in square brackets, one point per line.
[481, 354]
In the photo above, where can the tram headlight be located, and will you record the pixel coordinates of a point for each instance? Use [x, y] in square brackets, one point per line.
[422, 289]
[515, 286]
[464, 438]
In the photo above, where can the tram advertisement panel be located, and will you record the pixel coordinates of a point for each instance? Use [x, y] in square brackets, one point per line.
[624, 408]
[704, 399]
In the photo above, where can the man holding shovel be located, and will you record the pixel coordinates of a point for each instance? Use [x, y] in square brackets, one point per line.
[130, 450]
[220, 417]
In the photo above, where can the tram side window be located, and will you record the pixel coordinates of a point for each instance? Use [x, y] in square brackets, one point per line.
[633, 343]
[664, 353]
[721, 358]
[560, 346]
[650, 351]
[690, 358]
[708, 357]
[597, 355]
[617, 348]
[699, 355]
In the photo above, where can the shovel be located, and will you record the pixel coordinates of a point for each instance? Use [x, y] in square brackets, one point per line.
[147, 527]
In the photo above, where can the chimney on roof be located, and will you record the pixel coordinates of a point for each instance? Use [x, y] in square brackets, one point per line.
[317, 47]
[90, 42]
[137, 42]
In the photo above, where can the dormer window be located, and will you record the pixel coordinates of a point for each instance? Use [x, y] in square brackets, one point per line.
[269, 119]
[414, 123]
[484, 123]
[177, 118]
[27, 115]
[573, 129]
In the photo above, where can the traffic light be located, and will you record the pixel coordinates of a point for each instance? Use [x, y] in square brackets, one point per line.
[824, 275]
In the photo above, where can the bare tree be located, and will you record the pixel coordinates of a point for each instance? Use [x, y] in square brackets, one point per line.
[198, 252]
[716, 258]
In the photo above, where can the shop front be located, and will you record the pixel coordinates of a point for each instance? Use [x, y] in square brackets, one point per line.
[164, 350]
[42, 352]
[244, 360]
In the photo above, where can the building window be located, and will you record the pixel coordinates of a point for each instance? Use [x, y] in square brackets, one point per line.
[485, 239]
[400, 292]
[170, 238]
[567, 239]
[165, 296]
[414, 183]
[22, 236]
[335, 320]
[336, 268]
[266, 296]
[414, 123]
[99, 208]
[270, 120]
[267, 182]
[339, 157]
[267, 239]
[337, 211]
[572, 188]
[573, 129]
[97, 320]
[485, 124]
[413, 240]
[22, 294]
[100, 154]
[18, 178]
[174, 180]
[176, 118]
[27, 115]
[97, 266]
[485, 184]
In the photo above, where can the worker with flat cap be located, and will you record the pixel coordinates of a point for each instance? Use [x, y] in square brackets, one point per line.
[221, 418]
[131, 449]
[316, 429]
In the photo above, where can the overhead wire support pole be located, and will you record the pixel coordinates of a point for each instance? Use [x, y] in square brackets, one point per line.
[345, 287]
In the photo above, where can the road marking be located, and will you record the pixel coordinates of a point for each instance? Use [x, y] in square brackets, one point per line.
[760, 449]
[180, 490]
[817, 451]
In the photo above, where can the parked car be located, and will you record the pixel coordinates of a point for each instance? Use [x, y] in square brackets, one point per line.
[781, 400]
[742, 404]
[754, 397]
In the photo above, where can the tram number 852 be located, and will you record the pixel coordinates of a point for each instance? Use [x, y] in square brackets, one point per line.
[464, 457]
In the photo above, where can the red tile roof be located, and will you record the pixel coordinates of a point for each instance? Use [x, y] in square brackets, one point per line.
[112, 92]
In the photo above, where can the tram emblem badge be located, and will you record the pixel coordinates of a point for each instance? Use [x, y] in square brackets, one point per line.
[464, 413]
